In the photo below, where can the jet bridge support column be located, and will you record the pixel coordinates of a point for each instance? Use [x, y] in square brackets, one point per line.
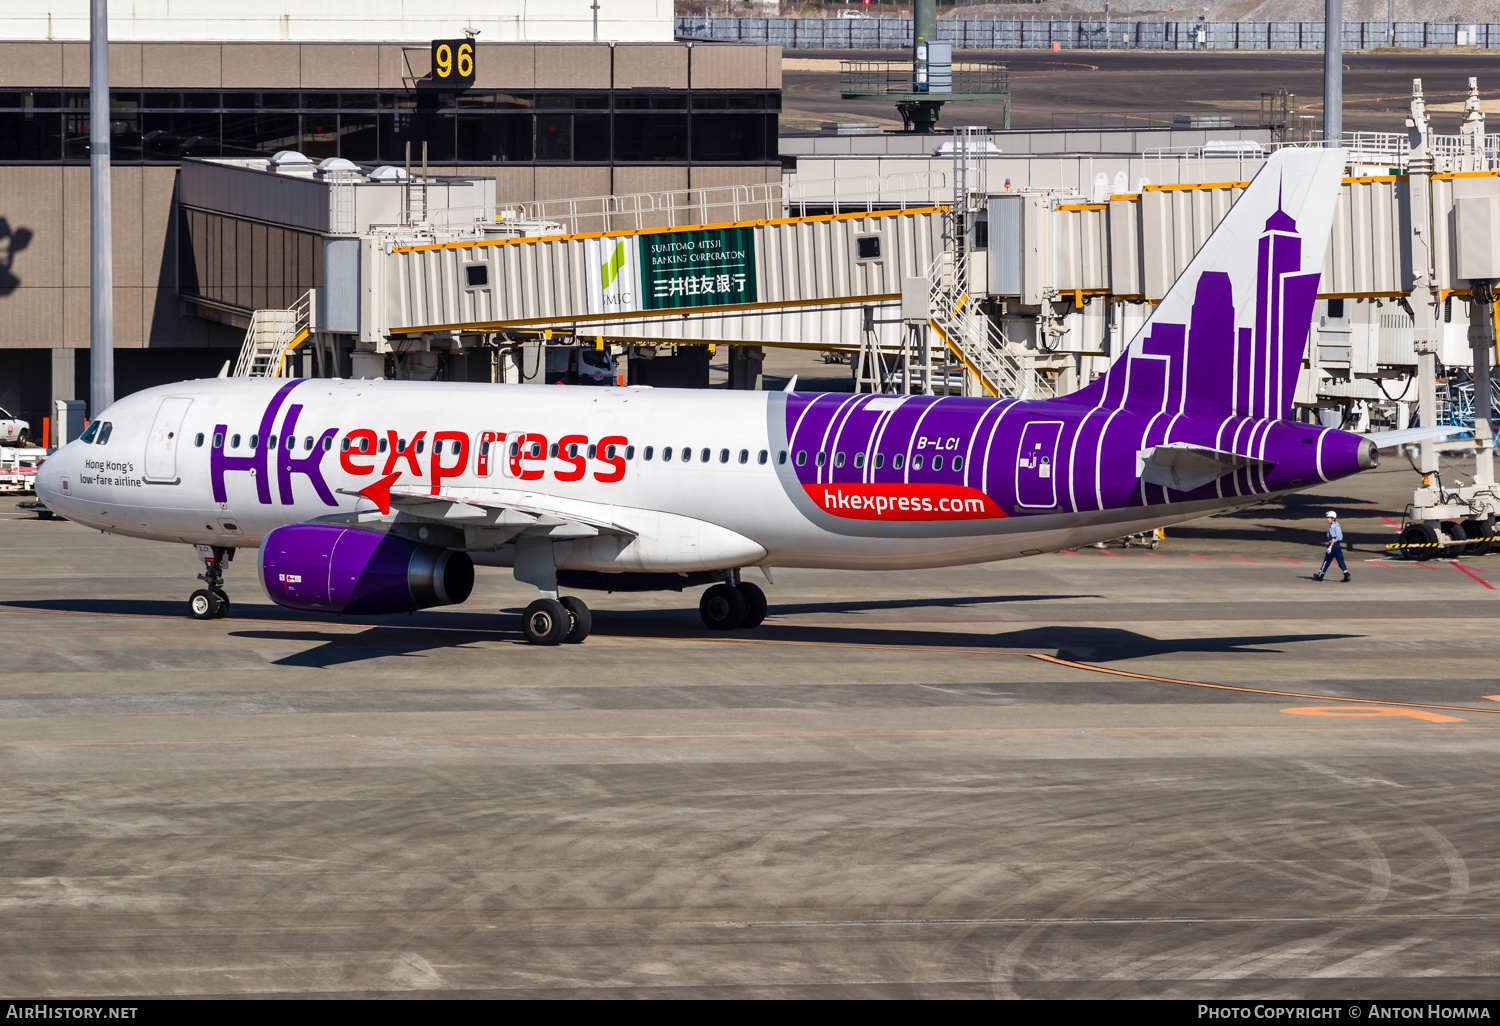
[1482, 342]
[1424, 296]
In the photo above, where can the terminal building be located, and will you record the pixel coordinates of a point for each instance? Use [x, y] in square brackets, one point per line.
[553, 104]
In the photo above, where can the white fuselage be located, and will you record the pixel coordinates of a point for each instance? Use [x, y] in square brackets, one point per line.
[155, 477]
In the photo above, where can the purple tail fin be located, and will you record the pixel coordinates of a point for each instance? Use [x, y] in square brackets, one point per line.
[1231, 331]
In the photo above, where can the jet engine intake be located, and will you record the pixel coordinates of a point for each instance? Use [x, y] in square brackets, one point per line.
[322, 568]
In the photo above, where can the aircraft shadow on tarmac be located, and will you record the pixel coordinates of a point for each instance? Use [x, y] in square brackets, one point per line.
[1084, 644]
[414, 636]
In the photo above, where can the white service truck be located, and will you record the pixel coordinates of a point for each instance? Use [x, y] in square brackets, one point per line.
[13, 430]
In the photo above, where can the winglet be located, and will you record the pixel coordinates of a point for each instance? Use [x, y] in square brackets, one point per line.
[379, 492]
[224, 370]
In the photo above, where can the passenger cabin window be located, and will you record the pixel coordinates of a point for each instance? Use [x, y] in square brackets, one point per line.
[879, 460]
[255, 441]
[234, 443]
[937, 463]
[899, 461]
[687, 455]
[744, 455]
[666, 454]
[218, 439]
[801, 458]
[646, 454]
[381, 446]
[765, 455]
[781, 458]
[838, 459]
[723, 455]
[822, 459]
[328, 444]
[958, 463]
[198, 440]
[629, 452]
[703, 456]
[916, 462]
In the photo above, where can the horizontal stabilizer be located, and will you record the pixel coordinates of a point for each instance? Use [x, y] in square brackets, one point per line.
[1184, 467]
[1410, 436]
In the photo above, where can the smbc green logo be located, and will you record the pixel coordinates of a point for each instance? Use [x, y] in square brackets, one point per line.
[614, 264]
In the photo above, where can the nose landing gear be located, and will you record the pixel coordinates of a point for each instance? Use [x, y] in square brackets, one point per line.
[211, 603]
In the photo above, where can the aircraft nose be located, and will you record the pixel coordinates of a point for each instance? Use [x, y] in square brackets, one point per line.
[49, 477]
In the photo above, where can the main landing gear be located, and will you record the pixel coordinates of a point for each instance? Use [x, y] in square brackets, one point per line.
[211, 603]
[557, 621]
[550, 620]
[735, 604]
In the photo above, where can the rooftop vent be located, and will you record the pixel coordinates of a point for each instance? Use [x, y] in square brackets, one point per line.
[290, 162]
[387, 173]
[338, 167]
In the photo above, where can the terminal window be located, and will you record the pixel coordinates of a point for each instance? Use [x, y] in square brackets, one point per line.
[473, 127]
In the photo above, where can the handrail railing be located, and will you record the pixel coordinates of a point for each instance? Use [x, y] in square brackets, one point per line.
[685, 208]
[271, 337]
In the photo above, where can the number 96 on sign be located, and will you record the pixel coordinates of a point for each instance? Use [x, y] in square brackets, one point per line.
[453, 61]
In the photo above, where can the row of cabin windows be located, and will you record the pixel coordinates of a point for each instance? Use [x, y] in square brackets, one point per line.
[683, 454]
[898, 461]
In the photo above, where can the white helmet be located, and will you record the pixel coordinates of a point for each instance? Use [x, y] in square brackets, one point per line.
[1331, 515]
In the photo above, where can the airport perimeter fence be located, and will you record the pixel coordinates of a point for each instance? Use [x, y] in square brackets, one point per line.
[976, 34]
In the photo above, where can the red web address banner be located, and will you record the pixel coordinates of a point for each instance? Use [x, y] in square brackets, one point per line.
[903, 502]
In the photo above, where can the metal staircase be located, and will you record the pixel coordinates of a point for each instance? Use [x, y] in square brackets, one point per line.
[1001, 368]
[272, 335]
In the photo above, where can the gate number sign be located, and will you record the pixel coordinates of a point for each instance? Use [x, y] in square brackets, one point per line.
[453, 62]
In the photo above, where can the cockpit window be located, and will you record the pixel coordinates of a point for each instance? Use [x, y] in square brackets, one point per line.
[88, 434]
[104, 430]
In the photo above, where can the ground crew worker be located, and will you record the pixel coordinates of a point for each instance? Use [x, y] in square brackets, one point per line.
[1335, 538]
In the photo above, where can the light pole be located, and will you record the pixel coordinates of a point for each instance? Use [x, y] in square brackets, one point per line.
[1333, 73]
[101, 266]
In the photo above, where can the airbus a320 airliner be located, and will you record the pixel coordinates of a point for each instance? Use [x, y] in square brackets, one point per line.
[370, 497]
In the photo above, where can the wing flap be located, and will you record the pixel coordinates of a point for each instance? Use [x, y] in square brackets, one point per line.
[508, 518]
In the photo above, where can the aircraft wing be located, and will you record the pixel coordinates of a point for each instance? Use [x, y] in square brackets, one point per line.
[490, 516]
[1410, 436]
[1183, 467]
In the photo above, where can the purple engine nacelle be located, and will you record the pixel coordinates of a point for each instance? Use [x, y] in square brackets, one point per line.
[322, 568]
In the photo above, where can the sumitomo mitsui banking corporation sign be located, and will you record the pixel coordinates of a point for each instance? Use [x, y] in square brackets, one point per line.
[671, 270]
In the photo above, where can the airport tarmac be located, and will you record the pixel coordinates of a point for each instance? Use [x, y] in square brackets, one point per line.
[1094, 88]
[1190, 773]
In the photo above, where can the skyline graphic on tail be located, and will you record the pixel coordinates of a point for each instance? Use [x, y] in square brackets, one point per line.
[1203, 352]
